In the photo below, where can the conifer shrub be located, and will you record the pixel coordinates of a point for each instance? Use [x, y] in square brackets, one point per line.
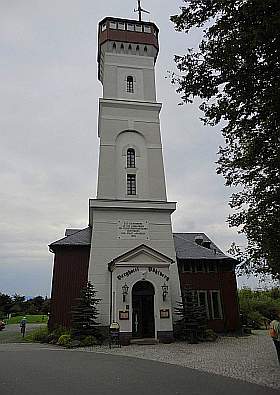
[85, 313]
[192, 318]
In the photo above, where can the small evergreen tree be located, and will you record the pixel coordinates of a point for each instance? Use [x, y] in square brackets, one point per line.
[192, 323]
[85, 313]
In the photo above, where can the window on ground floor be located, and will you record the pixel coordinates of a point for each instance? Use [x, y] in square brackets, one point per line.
[216, 305]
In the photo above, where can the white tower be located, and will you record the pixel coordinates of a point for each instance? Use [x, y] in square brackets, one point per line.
[132, 263]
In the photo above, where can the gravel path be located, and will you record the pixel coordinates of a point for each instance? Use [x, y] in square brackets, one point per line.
[251, 358]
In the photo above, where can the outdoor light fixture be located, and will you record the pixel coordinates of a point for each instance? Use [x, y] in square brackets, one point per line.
[124, 291]
[164, 291]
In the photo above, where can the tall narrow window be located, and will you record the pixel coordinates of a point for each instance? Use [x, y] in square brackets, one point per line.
[130, 158]
[131, 184]
[202, 300]
[216, 305]
[129, 84]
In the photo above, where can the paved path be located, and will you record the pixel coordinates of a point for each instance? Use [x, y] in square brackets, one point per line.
[16, 328]
[31, 369]
[251, 358]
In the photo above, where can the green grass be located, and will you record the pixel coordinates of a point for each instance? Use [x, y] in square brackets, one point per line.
[31, 319]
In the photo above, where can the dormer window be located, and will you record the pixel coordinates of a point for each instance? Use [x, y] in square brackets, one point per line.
[130, 158]
[130, 84]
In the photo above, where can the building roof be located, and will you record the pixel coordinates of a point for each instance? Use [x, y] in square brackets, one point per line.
[186, 245]
[74, 237]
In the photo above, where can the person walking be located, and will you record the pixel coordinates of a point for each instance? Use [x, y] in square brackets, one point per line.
[274, 331]
[23, 326]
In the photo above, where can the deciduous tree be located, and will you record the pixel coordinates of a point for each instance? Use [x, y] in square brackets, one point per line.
[235, 71]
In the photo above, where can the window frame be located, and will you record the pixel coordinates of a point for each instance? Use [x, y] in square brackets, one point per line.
[130, 158]
[130, 84]
[217, 292]
[113, 25]
[131, 184]
[199, 261]
[187, 263]
[205, 293]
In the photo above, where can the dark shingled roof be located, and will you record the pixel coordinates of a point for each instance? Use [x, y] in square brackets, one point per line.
[185, 245]
[79, 237]
[187, 248]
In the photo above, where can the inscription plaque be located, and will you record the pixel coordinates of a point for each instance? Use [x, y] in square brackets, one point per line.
[128, 229]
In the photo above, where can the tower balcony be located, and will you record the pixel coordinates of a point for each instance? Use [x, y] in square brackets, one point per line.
[125, 33]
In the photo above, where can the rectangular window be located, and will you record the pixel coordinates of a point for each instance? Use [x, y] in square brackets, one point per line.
[212, 267]
[216, 306]
[130, 27]
[103, 27]
[147, 29]
[187, 267]
[113, 25]
[121, 26]
[131, 184]
[199, 266]
[138, 28]
[203, 301]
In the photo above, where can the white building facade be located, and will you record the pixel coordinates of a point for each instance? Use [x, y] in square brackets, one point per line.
[132, 261]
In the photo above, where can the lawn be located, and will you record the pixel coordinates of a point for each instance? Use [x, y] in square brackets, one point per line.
[31, 319]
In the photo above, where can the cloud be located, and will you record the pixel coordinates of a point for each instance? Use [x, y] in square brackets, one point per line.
[49, 145]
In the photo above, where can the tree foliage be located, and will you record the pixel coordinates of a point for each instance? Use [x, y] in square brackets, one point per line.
[18, 304]
[235, 71]
[85, 313]
[192, 321]
[258, 307]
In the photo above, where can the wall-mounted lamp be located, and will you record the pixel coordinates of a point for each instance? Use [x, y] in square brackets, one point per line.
[164, 291]
[124, 291]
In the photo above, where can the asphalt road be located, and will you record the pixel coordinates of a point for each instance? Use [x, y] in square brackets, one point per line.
[40, 370]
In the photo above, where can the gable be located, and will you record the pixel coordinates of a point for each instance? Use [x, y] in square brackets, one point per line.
[142, 254]
[141, 257]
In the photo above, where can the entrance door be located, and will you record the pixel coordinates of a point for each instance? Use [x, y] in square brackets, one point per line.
[143, 320]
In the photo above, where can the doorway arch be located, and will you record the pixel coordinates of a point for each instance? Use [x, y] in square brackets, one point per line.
[143, 317]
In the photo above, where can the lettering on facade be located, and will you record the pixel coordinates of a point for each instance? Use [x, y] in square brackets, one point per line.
[133, 229]
[158, 272]
[128, 273]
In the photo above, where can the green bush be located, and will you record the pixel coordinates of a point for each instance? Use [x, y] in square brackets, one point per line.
[89, 341]
[64, 340]
[38, 335]
[258, 306]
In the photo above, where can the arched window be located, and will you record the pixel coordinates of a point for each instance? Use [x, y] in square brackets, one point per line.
[130, 84]
[130, 158]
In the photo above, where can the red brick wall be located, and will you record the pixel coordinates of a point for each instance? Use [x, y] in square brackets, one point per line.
[223, 280]
[70, 274]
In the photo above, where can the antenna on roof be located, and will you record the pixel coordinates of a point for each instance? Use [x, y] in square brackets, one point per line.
[140, 10]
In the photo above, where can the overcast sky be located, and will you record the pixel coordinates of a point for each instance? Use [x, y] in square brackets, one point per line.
[49, 147]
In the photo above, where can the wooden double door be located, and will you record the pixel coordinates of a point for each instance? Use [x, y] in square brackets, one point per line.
[143, 317]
